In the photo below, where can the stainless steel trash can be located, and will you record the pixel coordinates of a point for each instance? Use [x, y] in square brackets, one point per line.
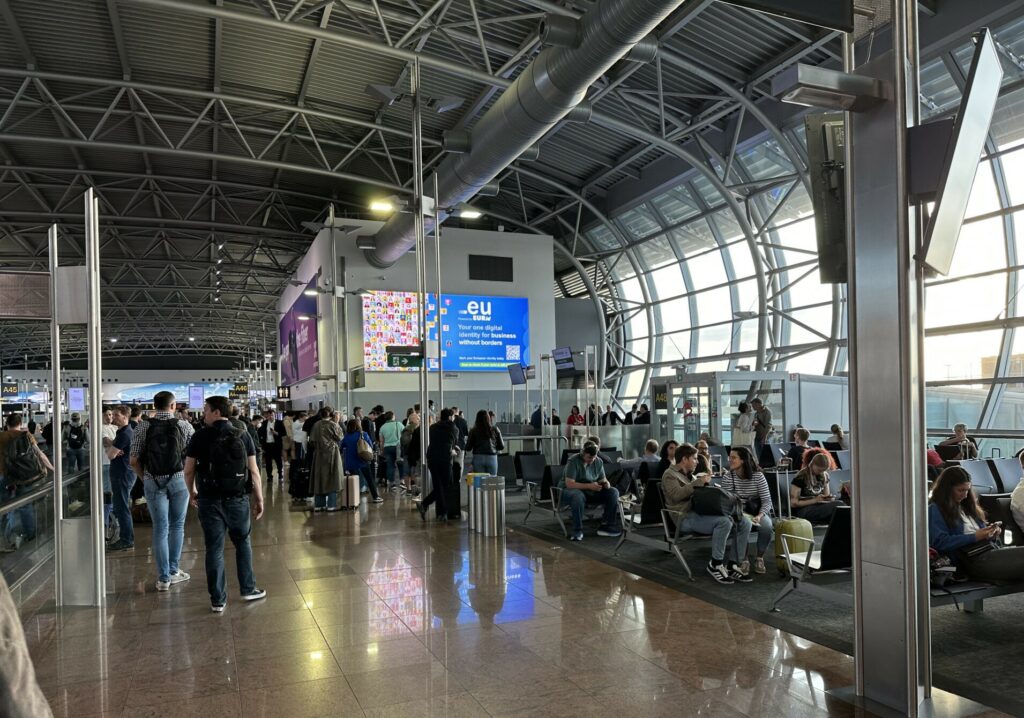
[475, 498]
[491, 521]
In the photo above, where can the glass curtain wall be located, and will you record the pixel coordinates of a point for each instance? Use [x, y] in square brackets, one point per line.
[700, 272]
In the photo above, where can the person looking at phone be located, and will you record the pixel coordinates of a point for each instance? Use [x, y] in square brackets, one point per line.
[810, 495]
[957, 528]
[584, 482]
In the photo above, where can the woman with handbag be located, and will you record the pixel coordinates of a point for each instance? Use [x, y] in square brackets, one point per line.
[744, 478]
[357, 451]
[957, 528]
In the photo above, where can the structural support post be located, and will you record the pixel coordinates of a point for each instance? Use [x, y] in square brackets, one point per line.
[421, 258]
[95, 394]
[57, 459]
[891, 599]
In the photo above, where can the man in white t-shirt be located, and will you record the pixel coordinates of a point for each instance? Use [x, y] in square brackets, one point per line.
[108, 432]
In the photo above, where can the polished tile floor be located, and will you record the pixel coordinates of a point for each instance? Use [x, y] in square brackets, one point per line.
[375, 613]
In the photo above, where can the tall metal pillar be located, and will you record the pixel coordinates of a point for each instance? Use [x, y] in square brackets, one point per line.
[421, 256]
[95, 373]
[892, 630]
[57, 459]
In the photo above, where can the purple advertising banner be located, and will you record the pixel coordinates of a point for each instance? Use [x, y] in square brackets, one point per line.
[300, 355]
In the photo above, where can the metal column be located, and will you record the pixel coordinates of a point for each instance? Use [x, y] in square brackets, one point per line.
[421, 258]
[892, 636]
[95, 373]
[440, 323]
[57, 459]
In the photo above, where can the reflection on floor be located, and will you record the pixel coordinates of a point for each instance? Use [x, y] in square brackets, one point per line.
[374, 613]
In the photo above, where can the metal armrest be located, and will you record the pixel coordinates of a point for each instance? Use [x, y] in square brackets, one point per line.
[677, 519]
[789, 558]
[531, 486]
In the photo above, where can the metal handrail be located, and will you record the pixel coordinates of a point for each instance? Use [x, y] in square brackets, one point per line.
[43, 491]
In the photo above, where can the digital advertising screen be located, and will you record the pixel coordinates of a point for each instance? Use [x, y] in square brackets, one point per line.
[300, 356]
[564, 362]
[196, 396]
[517, 374]
[477, 333]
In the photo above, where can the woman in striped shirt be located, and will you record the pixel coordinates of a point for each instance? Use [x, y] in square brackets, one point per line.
[744, 478]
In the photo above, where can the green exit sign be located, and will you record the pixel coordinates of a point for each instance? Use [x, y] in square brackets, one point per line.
[404, 362]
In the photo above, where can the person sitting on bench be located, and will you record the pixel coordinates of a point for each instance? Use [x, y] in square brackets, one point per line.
[584, 482]
[706, 464]
[650, 454]
[678, 483]
[967, 444]
[1017, 500]
[796, 453]
[957, 528]
[744, 478]
[668, 452]
[810, 495]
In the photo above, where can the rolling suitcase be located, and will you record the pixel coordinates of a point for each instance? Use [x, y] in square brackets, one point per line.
[792, 527]
[299, 481]
[453, 499]
[349, 498]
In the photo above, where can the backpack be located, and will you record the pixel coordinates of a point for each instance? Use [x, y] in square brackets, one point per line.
[406, 437]
[226, 472]
[76, 436]
[716, 501]
[21, 462]
[164, 450]
[363, 448]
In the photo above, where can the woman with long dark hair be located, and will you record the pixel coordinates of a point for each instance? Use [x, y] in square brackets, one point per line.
[957, 528]
[744, 478]
[484, 442]
[668, 453]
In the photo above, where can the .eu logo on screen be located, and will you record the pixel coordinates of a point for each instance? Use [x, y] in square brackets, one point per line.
[481, 311]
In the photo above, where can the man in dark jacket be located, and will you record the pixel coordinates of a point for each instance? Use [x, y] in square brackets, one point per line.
[271, 435]
[444, 437]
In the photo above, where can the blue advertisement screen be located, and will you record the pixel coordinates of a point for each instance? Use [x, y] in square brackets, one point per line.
[476, 333]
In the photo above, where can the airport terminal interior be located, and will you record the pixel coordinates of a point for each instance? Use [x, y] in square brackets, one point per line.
[511, 358]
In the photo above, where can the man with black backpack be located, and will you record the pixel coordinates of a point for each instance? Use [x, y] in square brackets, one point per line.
[158, 458]
[23, 465]
[221, 471]
[77, 437]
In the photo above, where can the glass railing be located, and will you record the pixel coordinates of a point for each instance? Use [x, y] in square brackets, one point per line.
[26, 529]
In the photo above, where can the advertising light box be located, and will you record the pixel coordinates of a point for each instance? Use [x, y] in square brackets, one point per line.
[300, 355]
[476, 333]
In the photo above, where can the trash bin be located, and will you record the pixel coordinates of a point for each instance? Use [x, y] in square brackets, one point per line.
[491, 520]
[475, 501]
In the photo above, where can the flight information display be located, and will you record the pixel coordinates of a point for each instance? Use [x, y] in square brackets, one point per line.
[477, 333]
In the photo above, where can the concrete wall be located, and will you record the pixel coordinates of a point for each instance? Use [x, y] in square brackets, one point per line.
[533, 270]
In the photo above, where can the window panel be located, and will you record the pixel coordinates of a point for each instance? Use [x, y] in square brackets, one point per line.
[706, 269]
[675, 314]
[984, 198]
[766, 160]
[631, 386]
[742, 260]
[668, 282]
[981, 248]
[603, 238]
[639, 222]
[656, 253]
[961, 356]
[714, 306]
[818, 318]
[675, 205]
[637, 349]
[693, 237]
[713, 341]
[675, 347]
[969, 300]
[809, 363]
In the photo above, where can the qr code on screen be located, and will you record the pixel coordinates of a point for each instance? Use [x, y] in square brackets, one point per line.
[512, 352]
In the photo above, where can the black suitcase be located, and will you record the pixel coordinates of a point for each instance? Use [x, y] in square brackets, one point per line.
[299, 480]
[453, 501]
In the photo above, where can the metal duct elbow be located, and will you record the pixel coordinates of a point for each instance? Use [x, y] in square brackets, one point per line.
[559, 31]
[546, 92]
[644, 51]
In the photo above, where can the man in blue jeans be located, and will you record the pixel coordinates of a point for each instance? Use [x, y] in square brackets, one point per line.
[158, 458]
[584, 482]
[220, 471]
[18, 525]
[122, 478]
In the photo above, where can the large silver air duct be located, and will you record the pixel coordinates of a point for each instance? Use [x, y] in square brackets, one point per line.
[547, 90]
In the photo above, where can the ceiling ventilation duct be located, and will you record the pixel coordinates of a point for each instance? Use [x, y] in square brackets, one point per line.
[546, 91]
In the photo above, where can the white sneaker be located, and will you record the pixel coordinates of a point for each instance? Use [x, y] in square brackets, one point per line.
[217, 607]
[179, 576]
[163, 585]
[256, 595]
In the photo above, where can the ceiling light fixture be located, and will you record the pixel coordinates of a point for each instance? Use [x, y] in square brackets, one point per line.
[304, 317]
[470, 213]
[311, 292]
[382, 206]
[191, 339]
